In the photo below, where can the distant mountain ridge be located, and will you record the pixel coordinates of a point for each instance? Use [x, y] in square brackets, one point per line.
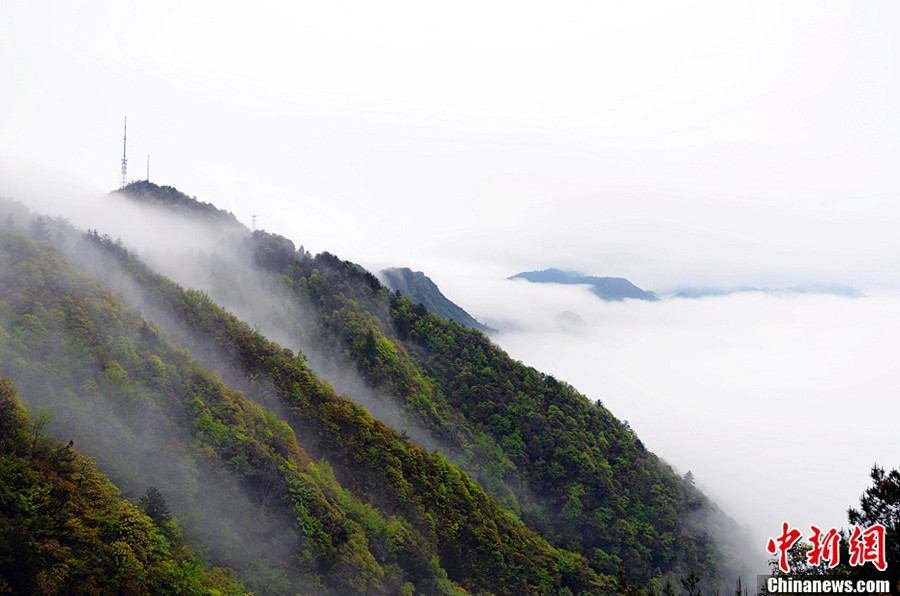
[606, 288]
[802, 289]
[619, 288]
[421, 289]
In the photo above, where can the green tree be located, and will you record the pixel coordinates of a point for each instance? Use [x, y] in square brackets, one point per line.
[880, 504]
[691, 583]
[154, 506]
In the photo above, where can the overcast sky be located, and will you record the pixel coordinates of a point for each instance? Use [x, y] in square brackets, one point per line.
[690, 143]
[671, 143]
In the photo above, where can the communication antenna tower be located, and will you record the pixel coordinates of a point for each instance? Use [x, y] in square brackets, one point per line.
[148, 168]
[253, 222]
[124, 158]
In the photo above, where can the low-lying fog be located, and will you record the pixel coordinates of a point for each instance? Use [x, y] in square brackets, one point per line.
[779, 404]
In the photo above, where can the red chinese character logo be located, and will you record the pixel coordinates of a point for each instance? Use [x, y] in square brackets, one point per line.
[783, 543]
[868, 545]
[824, 548]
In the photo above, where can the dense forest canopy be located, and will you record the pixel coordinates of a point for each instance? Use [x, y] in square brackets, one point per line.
[65, 529]
[446, 467]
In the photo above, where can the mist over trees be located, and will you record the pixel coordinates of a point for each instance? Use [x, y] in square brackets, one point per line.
[64, 528]
[241, 448]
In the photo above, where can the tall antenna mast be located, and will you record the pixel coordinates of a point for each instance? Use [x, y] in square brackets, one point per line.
[148, 168]
[124, 159]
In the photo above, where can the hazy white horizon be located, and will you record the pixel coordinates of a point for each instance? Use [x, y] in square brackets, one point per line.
[696, 143]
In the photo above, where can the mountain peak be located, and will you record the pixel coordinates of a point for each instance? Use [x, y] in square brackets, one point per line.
[146, 192]
[422, 289]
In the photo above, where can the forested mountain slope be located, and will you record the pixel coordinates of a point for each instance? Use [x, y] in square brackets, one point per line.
[64, 529]
[564, 465]
[339, 501]
[406, 521]
[420, 289]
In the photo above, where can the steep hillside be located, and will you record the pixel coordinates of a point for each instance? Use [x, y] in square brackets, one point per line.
[564, 465]
[420, 289]
[524, 487]
[64, 528]
[399, 519]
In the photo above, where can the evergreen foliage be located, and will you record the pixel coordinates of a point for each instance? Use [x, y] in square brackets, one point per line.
[879, 504]
[534, 490]
[144, 191]
[565, 466]
[65, 530]
[399, 519]
[420, 289]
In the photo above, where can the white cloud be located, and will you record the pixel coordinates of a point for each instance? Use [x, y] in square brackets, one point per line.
[697, 144]
[776, 403]
[750, 144]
